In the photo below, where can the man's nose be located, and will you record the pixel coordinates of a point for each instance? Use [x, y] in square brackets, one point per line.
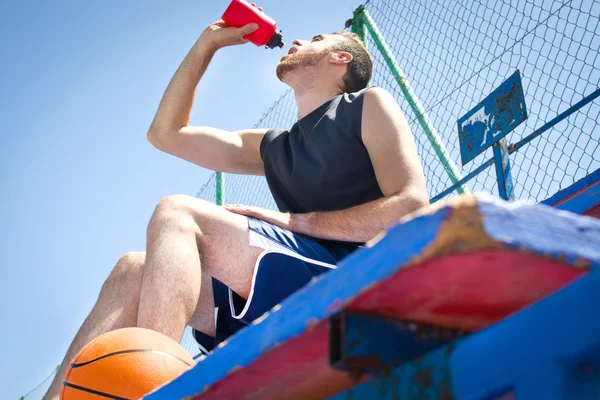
[297, 43]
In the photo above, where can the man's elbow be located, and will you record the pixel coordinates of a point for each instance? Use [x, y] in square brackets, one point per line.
[414, 200]
[422, 199]
[156, 137]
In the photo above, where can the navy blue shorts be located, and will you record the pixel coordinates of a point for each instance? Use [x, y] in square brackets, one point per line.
[288, 262]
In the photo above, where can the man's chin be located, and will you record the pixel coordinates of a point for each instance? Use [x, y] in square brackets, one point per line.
[280, 75]
[282, 70]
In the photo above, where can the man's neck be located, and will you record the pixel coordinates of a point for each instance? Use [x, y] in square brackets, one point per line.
[310, 98]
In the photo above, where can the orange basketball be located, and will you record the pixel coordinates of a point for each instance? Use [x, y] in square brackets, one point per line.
[125, 364]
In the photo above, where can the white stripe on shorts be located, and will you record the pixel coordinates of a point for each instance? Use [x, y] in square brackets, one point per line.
[269, 246]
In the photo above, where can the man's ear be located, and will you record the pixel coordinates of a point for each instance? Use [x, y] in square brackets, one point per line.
[340, 57]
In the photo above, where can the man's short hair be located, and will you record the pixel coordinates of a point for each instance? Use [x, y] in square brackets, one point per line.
[360, 69]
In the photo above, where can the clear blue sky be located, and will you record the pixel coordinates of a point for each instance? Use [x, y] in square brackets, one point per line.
[80, 84]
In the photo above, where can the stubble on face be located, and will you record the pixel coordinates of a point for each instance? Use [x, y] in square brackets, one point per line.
[299, 60]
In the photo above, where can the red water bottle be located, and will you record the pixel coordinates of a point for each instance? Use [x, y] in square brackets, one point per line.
[240, 13]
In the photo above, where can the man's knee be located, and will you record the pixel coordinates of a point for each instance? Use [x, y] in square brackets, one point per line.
[176, 202]
[184, 210]
[128, 269]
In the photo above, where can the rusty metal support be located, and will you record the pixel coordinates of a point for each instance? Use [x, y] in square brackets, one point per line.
[362, 343]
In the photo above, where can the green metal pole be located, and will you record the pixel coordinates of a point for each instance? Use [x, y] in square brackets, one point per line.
[220, 200]
[365, 19]
[358, 26]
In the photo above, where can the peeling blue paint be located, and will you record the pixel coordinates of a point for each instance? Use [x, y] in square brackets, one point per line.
[550, 351]
[492, 119]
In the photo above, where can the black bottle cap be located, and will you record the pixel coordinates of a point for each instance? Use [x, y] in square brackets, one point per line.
[275, 41]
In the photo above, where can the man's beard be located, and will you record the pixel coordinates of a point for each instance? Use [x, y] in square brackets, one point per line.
[298, 60]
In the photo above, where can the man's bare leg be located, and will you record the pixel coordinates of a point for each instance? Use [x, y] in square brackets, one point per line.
[118, 303]
[115, 308]
[189, 237]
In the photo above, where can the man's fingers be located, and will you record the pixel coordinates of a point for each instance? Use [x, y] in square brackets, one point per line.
[220, 23]
[246, 29]
[236, 208]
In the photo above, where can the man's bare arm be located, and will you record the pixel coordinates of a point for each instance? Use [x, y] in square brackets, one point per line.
[393, 153]
[212, 148]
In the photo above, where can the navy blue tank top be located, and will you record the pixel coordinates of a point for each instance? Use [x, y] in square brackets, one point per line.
[321, 163]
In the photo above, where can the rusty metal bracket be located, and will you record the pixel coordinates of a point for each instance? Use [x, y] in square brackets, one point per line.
[363, 343]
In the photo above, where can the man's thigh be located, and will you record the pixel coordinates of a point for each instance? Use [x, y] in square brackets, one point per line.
[225, 253]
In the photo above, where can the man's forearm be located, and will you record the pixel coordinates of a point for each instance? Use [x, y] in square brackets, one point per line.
[360, 223]
[176, 105]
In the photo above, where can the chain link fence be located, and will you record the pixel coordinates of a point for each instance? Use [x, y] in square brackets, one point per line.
[456, 53]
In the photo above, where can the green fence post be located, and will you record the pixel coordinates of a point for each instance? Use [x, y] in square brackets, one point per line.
[366, 21]
[358, 26]
[220, 181]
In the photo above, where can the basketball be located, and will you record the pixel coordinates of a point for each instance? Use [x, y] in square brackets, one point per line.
[125, 364]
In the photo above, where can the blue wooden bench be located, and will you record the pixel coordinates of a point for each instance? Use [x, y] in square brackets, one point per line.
[471, 299]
